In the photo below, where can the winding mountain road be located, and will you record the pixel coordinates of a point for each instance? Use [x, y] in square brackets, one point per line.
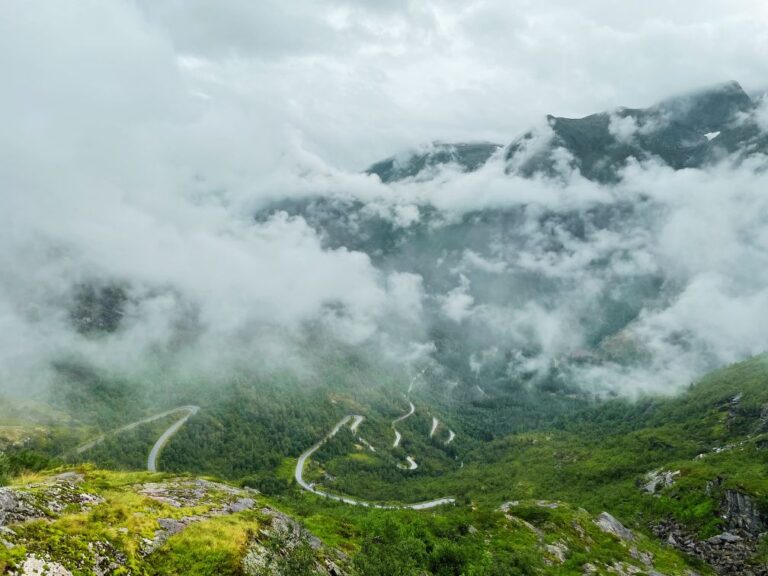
[167, 435]
[411, 462]
[412, 465]
[190, 410]
[435, 424]
[408, 414]
[356, 420]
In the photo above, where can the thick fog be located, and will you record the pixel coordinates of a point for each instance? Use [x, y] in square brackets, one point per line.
[140, 140]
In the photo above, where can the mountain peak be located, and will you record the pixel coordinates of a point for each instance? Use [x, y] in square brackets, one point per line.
[710, 106]
[686, 131]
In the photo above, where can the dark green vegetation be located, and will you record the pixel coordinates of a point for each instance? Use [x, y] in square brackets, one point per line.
[713, 440]
[157, 524]
[476, 366]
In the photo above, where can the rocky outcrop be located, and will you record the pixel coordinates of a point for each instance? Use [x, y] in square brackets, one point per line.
[762, 423]
[43, 500]
[619, 569]
[734, 405]
[220, 499]
[658, 480]
[274, 540]
[285, 542]
[741, 513]
[728, 553]
[738, 509]
[558, 551]
[731, 551]
[610, 525]
[35, 566]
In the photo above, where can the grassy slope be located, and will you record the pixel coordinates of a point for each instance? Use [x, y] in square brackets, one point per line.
[450, 541]
[599, 460]
[594, 461]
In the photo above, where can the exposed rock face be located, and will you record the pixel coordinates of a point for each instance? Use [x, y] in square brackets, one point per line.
[184, 493]
[192, 500]
[734, 410]
[738, 509]
[44, 499]
[34, 566]
[659, 479]
[740, 512]
[728, 553]
[609, 524]
[558, 551]
[188, 493]
[107, 559]
[618, 568]
[284, 538]
[762, 423]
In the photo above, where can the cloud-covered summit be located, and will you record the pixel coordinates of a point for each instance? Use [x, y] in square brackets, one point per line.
[691, 130]
[616, 258]
[182, 190]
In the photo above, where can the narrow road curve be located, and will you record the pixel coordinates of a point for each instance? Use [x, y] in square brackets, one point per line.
[411, 462]
[412, 465]
[435, 424]
[301, 463]
[99, 439]
[357, 420]
[399, 436]
[167, 435]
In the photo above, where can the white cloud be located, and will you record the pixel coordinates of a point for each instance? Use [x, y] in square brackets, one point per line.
[457, 304]
[762, 113]
[623, 129]
[138, 137]
[362, 80]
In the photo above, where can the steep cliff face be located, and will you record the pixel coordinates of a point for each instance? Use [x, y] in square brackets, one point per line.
[741, 513]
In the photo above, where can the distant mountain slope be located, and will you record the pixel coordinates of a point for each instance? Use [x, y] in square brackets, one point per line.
[686, 131]
[466, 156]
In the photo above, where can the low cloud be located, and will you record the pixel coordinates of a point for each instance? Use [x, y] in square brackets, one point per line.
[137, 151]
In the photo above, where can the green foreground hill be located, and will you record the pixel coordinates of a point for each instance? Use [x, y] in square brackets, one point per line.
[658, 486]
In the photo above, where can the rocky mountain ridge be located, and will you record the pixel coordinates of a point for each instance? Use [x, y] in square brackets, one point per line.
[687, 131]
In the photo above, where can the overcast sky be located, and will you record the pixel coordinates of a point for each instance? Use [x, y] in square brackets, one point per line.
[356, 80]
[138, 136]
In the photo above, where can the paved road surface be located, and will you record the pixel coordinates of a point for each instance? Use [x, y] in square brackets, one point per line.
[99, 439]
[161, 442]
[435, 423]
[301, 463]
[408, 414]
[167, 435]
